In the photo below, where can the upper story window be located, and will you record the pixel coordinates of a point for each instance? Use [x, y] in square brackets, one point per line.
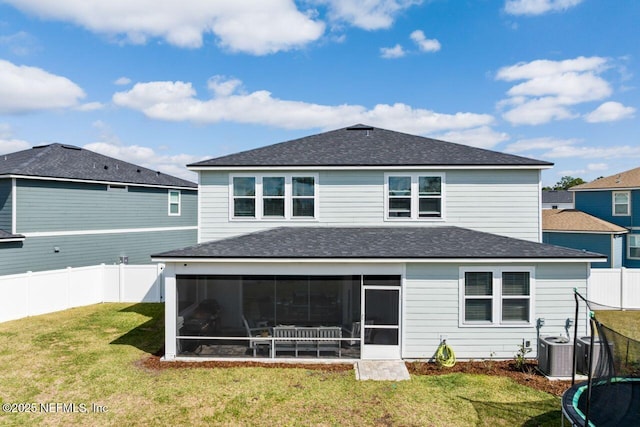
[496, 297]
[266, 197]
[174, 202]
[621, 203]
[414, 196]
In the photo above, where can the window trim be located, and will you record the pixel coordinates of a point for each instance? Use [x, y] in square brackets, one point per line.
[635, 237]
[288, 197]
[169, 202]
[415, 196]
[614, 204]
[497, 297]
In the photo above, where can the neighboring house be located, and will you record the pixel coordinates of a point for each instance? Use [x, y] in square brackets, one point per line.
[387, 241]
[557, 199]
[578, 230]
[63, 206]
[615, 199]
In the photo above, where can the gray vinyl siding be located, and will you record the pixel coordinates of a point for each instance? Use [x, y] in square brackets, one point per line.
[5, 205]
[37, 253]
[431, 309]
[44, 206]
[504, 202]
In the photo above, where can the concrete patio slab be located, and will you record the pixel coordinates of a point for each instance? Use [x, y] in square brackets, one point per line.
[381, 370]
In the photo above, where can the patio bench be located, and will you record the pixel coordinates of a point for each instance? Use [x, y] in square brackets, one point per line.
[303, 338]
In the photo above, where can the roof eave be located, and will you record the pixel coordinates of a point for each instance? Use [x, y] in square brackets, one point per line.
[200, 168]
[89, 181]
[307, 260]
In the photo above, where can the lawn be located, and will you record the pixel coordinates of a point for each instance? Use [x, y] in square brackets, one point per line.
[91, 357]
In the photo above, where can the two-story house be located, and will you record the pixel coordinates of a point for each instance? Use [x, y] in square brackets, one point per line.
[368, 243]
[615, 199]
[64, 206]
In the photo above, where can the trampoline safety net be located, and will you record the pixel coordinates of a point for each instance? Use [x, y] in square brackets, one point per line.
[611, 396]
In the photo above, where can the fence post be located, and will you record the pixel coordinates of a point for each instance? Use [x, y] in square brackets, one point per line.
[121, 284]
[623, 287]
[28, 294]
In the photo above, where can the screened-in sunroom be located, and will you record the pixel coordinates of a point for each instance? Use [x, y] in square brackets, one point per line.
[285, 316]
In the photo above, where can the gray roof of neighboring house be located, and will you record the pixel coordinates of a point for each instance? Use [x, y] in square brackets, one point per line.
[362, 145]
[438, 242]
[557, 196]
[5, 235]
[70, 162]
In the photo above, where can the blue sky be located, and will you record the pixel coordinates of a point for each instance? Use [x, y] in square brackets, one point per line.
[163, 83]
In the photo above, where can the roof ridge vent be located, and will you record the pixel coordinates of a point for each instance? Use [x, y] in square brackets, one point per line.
[360, 127]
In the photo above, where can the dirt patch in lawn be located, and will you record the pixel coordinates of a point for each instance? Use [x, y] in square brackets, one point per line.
[529, 376]
[154, 363]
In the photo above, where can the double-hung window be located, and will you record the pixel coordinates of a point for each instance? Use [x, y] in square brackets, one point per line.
[273, 196]
[174, 202]
[621, 203]
[303, 196]
[496, 296]
[414, 196]
[634, 246]
[244, 197]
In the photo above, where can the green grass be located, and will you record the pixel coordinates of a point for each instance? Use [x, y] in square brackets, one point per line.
[90, 355]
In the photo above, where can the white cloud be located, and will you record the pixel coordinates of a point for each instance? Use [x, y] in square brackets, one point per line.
[545, 67]
[610, 112]
[144, 156]
[538, 7]
[425, 44]
[551, 88]
[538, 144]
[12, 145]
[8, 144]
[20, 43]
[571, 148]
[392, 52]
[90, 106]
[482, 137]
[177, 101]
[24, 89]
[253, 26]
[122, 81]
[367, 14]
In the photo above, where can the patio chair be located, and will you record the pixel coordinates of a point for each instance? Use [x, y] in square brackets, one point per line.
[256, 332]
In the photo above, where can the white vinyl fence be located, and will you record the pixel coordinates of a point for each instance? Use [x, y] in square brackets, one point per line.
[615, 287]
[30, 294]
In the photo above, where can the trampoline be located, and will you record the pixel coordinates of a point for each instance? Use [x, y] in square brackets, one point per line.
[611, 362]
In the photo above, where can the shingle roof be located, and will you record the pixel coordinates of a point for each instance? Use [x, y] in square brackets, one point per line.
[573, 220]
[557, 196]
[362, 145]
[70, 162]
[5, 235]
[626, 179]
[374, 242]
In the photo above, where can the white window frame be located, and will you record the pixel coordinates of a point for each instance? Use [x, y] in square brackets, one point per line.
[169, 202]
[497, 297]
[636, 239]
[415, 196]
[613, 203]
[288, 197]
